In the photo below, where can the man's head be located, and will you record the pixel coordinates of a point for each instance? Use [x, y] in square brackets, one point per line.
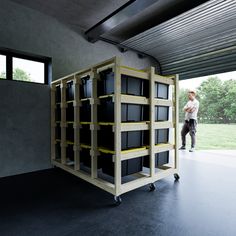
[191, 94]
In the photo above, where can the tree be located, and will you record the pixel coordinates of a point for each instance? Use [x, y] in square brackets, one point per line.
[183, 99]
[19, 74]
[2, 75]
[211, 105]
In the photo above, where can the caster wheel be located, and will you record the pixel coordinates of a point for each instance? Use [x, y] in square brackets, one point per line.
[118, 200]
[152, 187]
[176, 176]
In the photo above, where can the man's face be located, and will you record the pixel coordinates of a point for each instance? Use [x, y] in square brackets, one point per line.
[191, 96]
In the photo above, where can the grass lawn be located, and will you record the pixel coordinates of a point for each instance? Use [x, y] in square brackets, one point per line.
[214, 136]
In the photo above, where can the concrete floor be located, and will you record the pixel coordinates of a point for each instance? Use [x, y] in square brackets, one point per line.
[53, 202]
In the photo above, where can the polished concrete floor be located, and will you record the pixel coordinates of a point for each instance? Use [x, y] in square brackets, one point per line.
[53, 202]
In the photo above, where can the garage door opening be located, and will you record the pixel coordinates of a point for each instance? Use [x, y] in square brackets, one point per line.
[216, 128]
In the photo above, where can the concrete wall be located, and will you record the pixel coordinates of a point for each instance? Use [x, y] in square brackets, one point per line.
[25, 107]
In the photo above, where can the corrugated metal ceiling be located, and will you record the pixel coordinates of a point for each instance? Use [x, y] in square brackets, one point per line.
[199, 42]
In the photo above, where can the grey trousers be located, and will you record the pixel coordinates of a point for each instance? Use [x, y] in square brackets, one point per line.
[189, 126]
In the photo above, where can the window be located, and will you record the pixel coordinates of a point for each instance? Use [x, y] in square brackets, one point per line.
[27, 70]
[2, 67]
[24, 67]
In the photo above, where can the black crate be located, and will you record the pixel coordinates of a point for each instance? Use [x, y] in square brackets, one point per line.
[161, 136]
[58, 150]
[161, 91]
[85, 134]
[128, 167]
[129, 112]
[129, 85]
[161, 113]
[130, 139]
[70, 112]
[161, 159]
[85, 158]
[85, 112]
[69, 91]
[86, 87]
[58, 94]
[70, 133]
[58, 131]
[70, 152]
[58, 112]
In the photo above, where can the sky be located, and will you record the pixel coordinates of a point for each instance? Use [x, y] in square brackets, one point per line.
[34, 69]
[194, 83]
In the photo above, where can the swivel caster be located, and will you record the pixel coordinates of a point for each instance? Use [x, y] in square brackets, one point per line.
[152, 187]
[176, 176]
[118, 200]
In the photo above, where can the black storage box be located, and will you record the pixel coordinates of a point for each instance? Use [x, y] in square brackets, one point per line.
[161, 159]
[70, 152]
[161, 113]
[162, 91]
[58, 94]
[161, 136]
[129, 112]
[58, 131]
[70, 133]
[69, 91]
[85, 158]
[70, 112]
[85, 112]
[128, 167]
[130, 139]
[85, 134]
[129, 85]
[58, 112]
[58, 150]
[86, 87]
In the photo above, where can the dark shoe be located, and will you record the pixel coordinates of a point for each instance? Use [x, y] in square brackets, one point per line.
[191, 150]
[182, 148]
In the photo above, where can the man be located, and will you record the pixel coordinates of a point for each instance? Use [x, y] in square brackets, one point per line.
[190, 123]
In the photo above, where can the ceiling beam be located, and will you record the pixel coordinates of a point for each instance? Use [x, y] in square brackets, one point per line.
[130, 9]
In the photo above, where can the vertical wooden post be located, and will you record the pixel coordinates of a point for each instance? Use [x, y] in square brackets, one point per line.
[76, 83]
[63, 122]
[117, 120]
[176, 122]
[152, 121]
[94, 125]
[53, 122]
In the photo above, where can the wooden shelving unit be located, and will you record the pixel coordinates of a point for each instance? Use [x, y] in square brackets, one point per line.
[67, 154]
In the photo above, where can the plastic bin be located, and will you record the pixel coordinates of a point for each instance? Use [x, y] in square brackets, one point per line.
[58, 150]
[58, 131]
[70, 152]
[161, 159]
[58, 94]
[130, 139]
[129, 112]
[85, 158]
[161, 113]
[70, 112]
[85, 112]
[128, 167]
[85, 134]
[162, 91]
[129, 85]
[70, 133]
[86, 87]
[58, 112]
[69, 91]
[161, 136]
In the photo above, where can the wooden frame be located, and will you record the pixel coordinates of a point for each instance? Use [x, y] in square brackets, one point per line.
[117, 188]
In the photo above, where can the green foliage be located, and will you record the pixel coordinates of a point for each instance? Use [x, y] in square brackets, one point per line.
[21, 75]
[217, 101]
[2, 75]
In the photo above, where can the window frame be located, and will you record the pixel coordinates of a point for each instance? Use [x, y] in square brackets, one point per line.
[10, 54]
